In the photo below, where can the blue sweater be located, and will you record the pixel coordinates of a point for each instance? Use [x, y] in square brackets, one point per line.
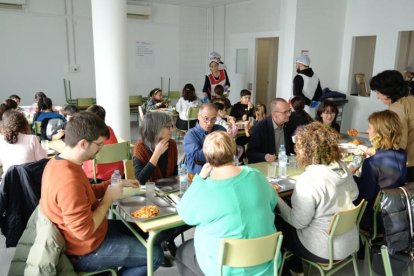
[385, 169]
[193, 147]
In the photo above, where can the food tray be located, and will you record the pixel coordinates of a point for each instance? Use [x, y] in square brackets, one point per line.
[130, 204]
[284, 184]
[168, 185]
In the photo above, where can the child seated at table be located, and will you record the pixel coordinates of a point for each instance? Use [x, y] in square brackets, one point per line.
[228, 122]
[68, 112]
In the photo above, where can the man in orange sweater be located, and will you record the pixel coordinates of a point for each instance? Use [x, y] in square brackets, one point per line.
[80, 209]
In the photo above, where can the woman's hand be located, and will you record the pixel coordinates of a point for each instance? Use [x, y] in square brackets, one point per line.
[134, 183]
[161, 147]
[270, 157]
[205, 171]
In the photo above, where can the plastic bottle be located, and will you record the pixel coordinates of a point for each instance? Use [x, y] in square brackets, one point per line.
[183, 179]
[115, 178]
[282, 158]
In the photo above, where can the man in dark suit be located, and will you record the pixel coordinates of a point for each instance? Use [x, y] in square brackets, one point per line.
[267, 135]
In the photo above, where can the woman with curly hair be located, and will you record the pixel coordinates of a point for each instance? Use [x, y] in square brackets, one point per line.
[325, 187]
[17, 146]
[392, 91]
[387, 167]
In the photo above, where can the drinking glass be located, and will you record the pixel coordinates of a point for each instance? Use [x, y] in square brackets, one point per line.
[149, 192]
[271, 169]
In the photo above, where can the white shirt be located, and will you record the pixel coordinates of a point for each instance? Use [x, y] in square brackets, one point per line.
[183, 106]
[26, 149]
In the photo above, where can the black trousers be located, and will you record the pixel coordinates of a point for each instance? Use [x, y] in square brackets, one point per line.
[292, 243]
[186, 260]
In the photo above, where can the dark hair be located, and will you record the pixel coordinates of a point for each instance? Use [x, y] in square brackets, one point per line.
[391, 84]
[14, 97]
[11, 104]
[97, 110]
[44, 104]
[84, 125]
[13, 123]
[189, 92]
[325, 105]
[245, 92]
[297, 103]
[39, 95]
[219, 89]
[154, 91]
[70, 109]
[220, 106]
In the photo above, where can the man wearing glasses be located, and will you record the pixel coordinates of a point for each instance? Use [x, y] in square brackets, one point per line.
[267, 135]
[79, 210]
[194, 138]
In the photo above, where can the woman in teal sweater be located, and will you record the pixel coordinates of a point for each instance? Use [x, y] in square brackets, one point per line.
[224, 201]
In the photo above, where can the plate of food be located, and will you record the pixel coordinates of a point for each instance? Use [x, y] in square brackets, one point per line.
[282, 185]
[138, 208]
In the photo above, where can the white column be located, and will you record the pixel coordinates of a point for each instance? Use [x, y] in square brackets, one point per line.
[110, 53]
[285, 71]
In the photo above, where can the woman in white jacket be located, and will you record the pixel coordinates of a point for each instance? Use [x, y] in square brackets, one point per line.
[325, 187]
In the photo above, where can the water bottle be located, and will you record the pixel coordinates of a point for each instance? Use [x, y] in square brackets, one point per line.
[115, 178]
[183, 179]
[282, 158]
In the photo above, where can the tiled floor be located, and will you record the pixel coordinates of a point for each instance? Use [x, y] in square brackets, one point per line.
[6, 254]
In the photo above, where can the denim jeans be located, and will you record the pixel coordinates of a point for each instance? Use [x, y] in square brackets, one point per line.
[119, 249]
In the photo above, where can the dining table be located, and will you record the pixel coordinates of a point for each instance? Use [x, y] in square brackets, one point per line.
[154, 226]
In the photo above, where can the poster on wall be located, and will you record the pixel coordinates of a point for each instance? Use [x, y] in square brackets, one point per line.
[144, 54]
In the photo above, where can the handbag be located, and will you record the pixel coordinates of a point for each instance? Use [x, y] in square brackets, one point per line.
[399, 260]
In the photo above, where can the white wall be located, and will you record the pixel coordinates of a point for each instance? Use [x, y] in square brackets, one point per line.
[384, 19]
[36, 53]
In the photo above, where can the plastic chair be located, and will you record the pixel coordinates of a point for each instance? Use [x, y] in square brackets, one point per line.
[250, 252]
[174, 96]
[192, 115]
[111, 153]
[129, 169]
[84, 103]
[38, 128]
[341, 223]
[134, 103]
[368, 237]
[386, 261]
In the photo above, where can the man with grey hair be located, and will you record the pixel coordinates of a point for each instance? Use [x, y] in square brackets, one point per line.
[267, 135]
[306, 83]
[194, 138]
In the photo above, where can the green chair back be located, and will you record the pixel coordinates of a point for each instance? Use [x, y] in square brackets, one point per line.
[38, 128]
[250, 252]
[84, 103]
[386, 260]
[192, 114]
[174, 95]
[341, 223]
[111, 153]
[136, 100]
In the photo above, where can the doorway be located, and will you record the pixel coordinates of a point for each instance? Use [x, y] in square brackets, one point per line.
[267, 50]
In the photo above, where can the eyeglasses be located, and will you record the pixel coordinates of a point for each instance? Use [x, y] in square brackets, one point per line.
[287, 112]
[209, 120]
[100, 145]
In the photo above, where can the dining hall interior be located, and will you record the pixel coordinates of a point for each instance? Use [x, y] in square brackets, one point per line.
[111, 50]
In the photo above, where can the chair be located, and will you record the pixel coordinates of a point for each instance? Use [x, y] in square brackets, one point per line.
[68, 92]
[250, 252]
[134, 103]
[129, 169]
[111, 153]
[192, 114]
[368, 237]
[341, 223]
[84, 103]
[174, 96]
[38, 128]
[386, 260]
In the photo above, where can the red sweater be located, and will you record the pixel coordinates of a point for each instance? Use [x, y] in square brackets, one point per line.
[68, 200]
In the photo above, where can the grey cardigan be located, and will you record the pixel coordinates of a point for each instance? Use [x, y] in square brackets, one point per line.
[320, 192]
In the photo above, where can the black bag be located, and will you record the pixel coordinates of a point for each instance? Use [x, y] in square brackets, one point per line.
[399, 261]
[396, 205]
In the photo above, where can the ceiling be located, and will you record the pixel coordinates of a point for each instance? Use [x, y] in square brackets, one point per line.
[191, 3]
